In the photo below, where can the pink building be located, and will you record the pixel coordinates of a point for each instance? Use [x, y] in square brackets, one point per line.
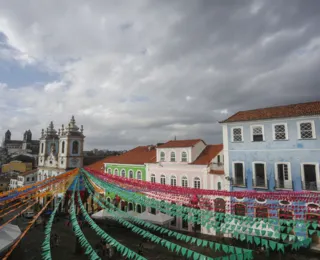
[188, 163]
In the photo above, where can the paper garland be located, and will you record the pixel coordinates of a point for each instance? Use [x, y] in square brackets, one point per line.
[118, 246]
[26, 230]
[169, 245]
[46, 246]
[78, 232]
[137, 199]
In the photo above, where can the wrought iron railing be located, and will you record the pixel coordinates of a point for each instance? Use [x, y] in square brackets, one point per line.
[287, 185]
[310, 185]
[260, 183]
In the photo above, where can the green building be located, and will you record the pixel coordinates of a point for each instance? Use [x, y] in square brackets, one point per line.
[128, 165]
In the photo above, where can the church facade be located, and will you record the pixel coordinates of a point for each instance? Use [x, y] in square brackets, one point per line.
[60, 150]
[24, 146]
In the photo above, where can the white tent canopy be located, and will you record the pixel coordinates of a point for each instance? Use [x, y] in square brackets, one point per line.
[104, 214]
[159, 219]
[8, 234]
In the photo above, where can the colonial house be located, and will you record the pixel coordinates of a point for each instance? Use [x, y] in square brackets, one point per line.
[188, 163]
[273, 149]
[131, 164]
[23, 179]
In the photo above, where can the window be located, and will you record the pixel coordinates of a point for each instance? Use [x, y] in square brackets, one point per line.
[219, 185]
[123, 173]
[153, 211]
[75, 147]
[62, 146]
[184, 157]
[139, 175]
[257, 133]
[173, 181]
[32, 179]
[310, 175]
[139, 209]
[283, 178]
[259, 175]
[261, 212]
[115, 171]
[306, 130]
[280, 132]
[28, 179]
[237, 134]
[163, 179]
[131, 174]
[130, 206]
[162, 156]
[42, 147]
[239, 209]
[238, 172]
[196, 182]
[153, 178]
[218, 159]
[172, 156]
[109, 170]
[184, 182]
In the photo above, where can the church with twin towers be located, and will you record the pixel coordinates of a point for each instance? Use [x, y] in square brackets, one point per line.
[60, 150]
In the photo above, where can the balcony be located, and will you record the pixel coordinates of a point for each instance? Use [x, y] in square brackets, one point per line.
[239, 182]
[310, 185]
[284, 185]
[260, 183]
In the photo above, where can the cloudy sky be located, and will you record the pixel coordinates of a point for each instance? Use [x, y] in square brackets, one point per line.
[141, 72]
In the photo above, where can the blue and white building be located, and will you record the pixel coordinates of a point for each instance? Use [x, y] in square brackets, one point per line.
[272, 149]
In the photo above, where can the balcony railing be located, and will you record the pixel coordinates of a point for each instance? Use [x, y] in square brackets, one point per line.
[310, 185]
[286, 185]
[260, 183]
[239, 182]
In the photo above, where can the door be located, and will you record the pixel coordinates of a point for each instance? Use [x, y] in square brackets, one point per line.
[310, 178]
[284, 181]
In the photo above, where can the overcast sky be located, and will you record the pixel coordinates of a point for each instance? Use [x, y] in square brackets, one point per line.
[141, 72]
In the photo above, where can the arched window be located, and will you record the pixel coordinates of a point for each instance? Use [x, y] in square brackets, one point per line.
[173, 181]
[196, 183]
[239, 209]
[163, 179]
[184, 157]
[123, 173]
[131, 174]
[219, 185]
[42, 147]
[220, 205]
[172, 157]
[115, 172]
[153, 178]
[162, 156]
[184, 181]
[261, 212]
[62, 146]
[108, 199]
[109, 170]
[139, 209]
[139, 175]
[75, 147]
[130, 206]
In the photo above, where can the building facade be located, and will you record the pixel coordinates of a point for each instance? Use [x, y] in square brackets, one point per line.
[273, 149]
[16, 166]
[188, 163]
[26, 145]
[60, 150]
[24, 179]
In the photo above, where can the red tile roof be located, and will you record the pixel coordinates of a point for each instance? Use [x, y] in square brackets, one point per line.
[180, 143]
[295, 110]
[138, 155]
[208, 154]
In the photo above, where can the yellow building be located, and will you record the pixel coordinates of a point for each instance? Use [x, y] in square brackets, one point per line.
[17, 166]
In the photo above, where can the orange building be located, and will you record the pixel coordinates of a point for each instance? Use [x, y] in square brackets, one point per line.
[16, 166]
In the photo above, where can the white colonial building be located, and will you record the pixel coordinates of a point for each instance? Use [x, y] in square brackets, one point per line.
[189, 163]
[23, 179]
[60, 151]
